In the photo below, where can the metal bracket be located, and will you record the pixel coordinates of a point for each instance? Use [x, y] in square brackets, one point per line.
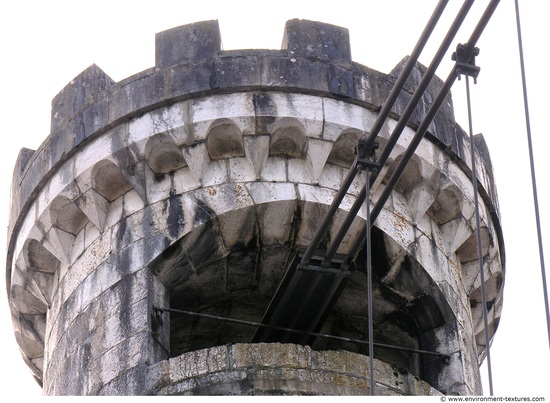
[365, 154]
[466, 64]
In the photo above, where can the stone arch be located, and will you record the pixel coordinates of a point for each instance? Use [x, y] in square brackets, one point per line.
[411, 176]
[447, 205]
[493, 292]
[288, 139]
[224, 140]
[39, 258]
[343, 149]
[109, 181]
[67, 216]
[28, 296]
[163, 155]
[29, 305]
[29, 334]
[467, 252]
[67, 220]
[41, 265]
[238, 280]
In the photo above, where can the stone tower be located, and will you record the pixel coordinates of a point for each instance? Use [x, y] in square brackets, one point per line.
[191, 186]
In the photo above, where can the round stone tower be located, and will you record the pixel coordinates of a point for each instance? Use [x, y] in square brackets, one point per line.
[152, 231]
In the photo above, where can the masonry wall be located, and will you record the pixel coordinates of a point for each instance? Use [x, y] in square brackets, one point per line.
[191, 184]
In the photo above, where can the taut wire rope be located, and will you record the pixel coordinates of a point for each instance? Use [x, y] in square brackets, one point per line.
[532, 164]
[369, 282]
[479, 245]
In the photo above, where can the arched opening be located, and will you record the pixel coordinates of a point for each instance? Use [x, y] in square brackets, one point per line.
[203, 275]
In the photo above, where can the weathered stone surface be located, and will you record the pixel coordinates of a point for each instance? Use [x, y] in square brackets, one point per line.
[284, 369]
[311, 39]
[187, 43]
[82, 91]
[191, 185]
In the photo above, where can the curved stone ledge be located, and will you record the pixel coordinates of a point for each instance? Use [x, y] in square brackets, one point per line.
[282, 369]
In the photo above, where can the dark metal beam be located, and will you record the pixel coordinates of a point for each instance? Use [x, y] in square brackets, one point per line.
[469, 49]
[402, 123]
[382, 116]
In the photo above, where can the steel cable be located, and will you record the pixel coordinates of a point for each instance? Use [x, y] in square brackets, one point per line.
[533, 177]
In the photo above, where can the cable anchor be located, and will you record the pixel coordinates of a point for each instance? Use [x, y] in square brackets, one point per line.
[366, 152]
[465, 62]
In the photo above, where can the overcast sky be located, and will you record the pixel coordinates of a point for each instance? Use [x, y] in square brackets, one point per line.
[44, 44]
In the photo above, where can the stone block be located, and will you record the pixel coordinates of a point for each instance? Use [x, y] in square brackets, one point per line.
[185, 80]
[241, 170]
[371, 86]
[158, 186]
[23, 158]
[238, 228]
[91, 234]
[265, 192]
[80, 92]
[397, 226]
[95, 207]
[347, 115]
[184, 181]
[218, 228]
[90, 120]
[136, 176]
[141, 128]
[455, 233]
[197, 363]
[238, 108]
[197, 159]
[127, 99]
[187, 43]
[301, 171]
[94, 152]
[215, 173]
[225, 198]
[317, 153]
[256, 152]
[276, 221]
[316, 40]
[229, 71]
[114, 214]
[420, 199]
[131, 352]
[131, 203]
[274, 170]
[285, 72]
[315, 195]
[35, 171]
[331, 177]
[274, 355]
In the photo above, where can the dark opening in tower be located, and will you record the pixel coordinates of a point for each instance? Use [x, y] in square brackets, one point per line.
[239, 284]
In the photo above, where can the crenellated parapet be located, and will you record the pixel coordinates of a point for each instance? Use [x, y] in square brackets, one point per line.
[191, 184]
